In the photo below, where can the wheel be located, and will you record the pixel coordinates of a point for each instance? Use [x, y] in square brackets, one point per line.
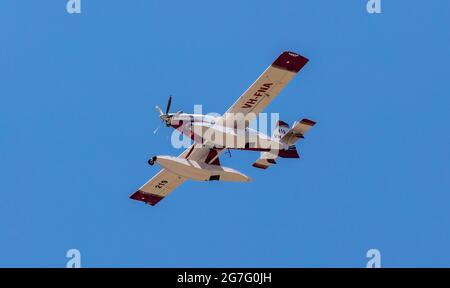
[151, 161]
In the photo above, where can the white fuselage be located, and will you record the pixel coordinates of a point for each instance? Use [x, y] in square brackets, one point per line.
[212, 131]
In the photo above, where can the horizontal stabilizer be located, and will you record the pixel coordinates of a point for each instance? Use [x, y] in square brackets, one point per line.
[298, 130]
[267, 159]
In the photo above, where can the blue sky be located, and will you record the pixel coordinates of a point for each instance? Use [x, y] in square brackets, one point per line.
[76, 121]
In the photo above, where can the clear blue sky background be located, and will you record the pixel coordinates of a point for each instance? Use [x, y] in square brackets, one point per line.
[76, 120]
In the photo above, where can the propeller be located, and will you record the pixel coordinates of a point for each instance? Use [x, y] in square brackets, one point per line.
[165, 117]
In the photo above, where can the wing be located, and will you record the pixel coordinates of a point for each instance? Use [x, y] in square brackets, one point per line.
[165, 181]
[266, 87]
[158, 187]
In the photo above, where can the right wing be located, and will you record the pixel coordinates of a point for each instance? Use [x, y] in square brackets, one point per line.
[265, 88]
[165, 181]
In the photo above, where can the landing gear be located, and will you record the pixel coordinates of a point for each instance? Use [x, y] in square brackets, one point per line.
[152, 160]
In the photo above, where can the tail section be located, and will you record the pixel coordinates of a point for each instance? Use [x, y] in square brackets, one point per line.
[286, 136]
[265, 160]
[298, 131]
[281, 130]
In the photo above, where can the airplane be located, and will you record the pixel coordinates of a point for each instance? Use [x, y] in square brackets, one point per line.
[213, 135]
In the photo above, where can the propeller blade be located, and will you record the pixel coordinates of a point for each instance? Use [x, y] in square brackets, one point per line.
[169, 102]
[157, 128]
[159, 110]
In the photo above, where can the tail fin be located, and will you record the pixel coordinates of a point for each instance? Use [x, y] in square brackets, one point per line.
[281, 130]
[290, 152]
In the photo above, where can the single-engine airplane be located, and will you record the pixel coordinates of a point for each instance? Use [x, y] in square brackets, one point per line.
[213, 135]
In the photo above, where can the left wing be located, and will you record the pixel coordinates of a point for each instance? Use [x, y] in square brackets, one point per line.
[266, 87]
[158, 187]
[165, 181]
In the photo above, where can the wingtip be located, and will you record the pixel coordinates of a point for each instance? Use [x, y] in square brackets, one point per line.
[290, 61]
[260, 166]
[148, 198]
[308, 122]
